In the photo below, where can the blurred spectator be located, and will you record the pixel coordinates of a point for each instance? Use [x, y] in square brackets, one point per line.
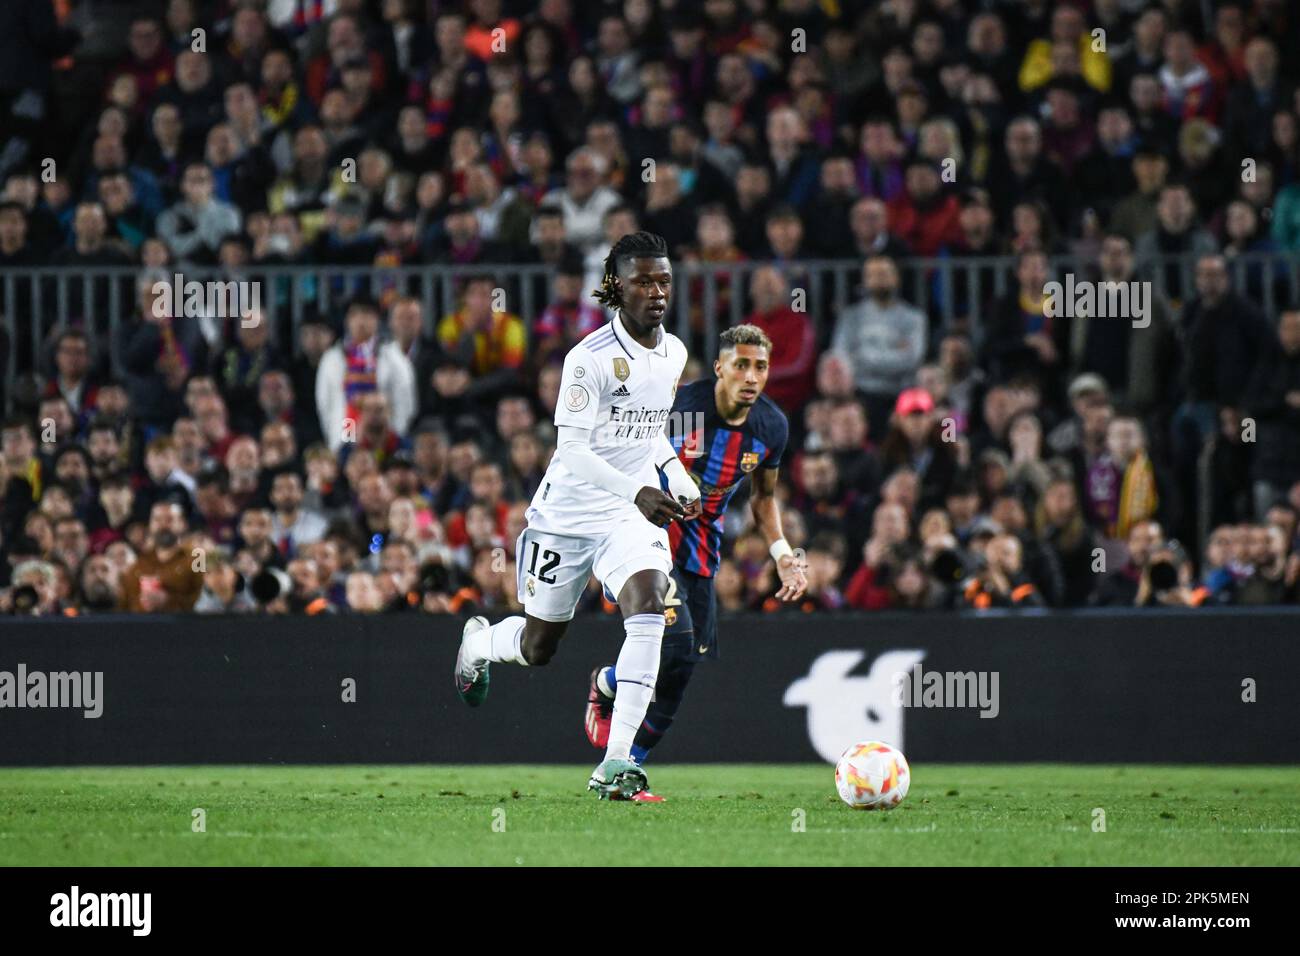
[790, 379]
[916, 439]
[163, 577]
[715, 244]
[224, 590]
[1226, 337]
[825, 502]
[1167, 581]
[488, 340]
[1119, 588]
[868, 589]
[406, 327]
[1026, 173]
[360, 365]
[870, 236]
[374, 433]
[1069, 28]
[753, 203]
[72, 380]
[1189, 89]
[31, 37]
[292, 525]
[569, 317]
[1145, 51]
[1276, 574]
[1124, 486]
[363, 596]
[1105, 172]
[113, 510]
[1001, 583]
[1176, 232]
[882, 338]
[90, 245]
[240, 368]
[1060, 526]
[194, 227]
[99, 587]
[1135, 355]
[924, 217]
[795, 171]
[584, 200]
[1134, 214]
[1024, 340]
[1272, 398]
[1250, 105]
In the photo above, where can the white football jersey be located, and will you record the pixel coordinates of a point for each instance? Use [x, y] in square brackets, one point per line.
[624, 393]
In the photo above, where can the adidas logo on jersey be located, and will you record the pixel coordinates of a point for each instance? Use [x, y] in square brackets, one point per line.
[621, 392]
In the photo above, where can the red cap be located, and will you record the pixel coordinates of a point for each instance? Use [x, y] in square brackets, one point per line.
[913, 400]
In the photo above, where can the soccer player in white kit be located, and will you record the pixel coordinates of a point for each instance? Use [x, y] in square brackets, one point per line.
[599, 508]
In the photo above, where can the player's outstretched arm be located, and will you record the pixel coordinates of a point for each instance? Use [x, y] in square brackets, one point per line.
[573, 445]
[767, 515]
[685, 491]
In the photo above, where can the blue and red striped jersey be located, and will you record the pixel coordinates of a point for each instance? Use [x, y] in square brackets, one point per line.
[718, 457]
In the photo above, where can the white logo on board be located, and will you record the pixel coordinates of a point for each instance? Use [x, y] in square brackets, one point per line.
[843, 707]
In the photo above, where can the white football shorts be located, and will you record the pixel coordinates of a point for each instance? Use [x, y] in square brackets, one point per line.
[553, 569]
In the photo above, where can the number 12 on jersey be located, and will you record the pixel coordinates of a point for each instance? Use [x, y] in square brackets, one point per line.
[550, 560]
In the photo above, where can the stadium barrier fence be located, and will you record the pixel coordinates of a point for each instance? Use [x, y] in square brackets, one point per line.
[955, 293]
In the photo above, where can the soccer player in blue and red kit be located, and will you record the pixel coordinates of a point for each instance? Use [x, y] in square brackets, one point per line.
[723, 430]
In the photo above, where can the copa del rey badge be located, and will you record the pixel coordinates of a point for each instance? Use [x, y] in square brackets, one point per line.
[621, 371]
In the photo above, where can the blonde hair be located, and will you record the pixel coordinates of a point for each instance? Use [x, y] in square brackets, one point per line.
[745, 335]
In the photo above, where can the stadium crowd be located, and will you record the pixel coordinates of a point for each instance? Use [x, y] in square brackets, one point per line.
[377, 458]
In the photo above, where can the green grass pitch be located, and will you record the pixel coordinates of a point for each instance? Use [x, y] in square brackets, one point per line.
[717, 814]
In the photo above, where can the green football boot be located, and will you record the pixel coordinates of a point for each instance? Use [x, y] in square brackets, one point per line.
[617, 780]
[471, 675]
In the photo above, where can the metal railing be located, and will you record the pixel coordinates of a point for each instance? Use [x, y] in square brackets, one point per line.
[957, 293]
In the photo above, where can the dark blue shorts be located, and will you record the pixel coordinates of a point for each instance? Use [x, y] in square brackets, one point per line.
[694, 613]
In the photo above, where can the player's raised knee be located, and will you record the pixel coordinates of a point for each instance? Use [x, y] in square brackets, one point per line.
[652, 604]
[644, 593]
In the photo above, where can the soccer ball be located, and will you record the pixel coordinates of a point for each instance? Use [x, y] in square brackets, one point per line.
[872, 776]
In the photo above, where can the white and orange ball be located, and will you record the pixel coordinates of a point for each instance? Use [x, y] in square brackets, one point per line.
[872, 776]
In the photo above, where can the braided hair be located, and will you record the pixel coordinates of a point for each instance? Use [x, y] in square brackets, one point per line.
[635, 245]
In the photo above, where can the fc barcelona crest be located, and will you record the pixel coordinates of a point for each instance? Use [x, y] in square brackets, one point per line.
[748, 461]
[621, 371]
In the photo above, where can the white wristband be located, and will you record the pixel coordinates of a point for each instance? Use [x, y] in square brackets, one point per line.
[780, 549]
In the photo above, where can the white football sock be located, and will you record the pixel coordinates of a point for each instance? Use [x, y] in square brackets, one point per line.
[500, 643]
[636, 669]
